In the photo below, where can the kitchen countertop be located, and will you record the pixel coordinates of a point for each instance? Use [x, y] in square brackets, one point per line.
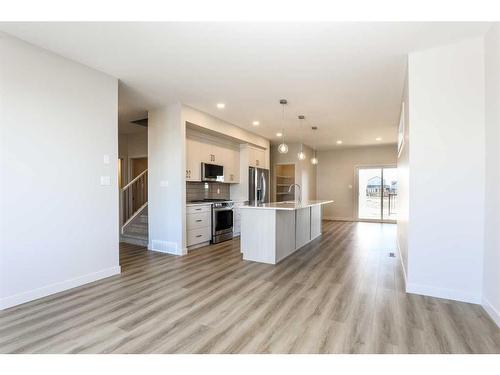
[287, 205]
[188, 204]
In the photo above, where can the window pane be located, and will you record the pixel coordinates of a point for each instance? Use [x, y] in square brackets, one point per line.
[390, 193]
[369, 193]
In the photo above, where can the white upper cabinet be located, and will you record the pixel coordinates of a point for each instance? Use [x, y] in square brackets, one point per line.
[193, 160]
[257, 157]
[199, 150]
[232, 166]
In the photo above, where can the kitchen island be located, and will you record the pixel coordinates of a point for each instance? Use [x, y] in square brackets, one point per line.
[272, 231]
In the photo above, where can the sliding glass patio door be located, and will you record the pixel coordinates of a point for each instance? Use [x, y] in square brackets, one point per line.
[377, 193]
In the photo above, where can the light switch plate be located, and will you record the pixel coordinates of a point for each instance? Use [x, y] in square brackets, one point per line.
[105, 180]
[106, 159]
[164, 183]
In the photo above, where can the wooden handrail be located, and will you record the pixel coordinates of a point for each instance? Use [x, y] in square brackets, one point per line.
[134, 180]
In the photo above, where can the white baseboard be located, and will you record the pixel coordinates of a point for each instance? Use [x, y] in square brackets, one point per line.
[492, 312]
[334, 218]
[166, 247]
[432, 291]
[402, 263]
[47, 290]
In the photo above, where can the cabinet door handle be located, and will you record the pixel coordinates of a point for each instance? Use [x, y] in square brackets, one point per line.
[199, 235]
[199, 220]
[197, 209]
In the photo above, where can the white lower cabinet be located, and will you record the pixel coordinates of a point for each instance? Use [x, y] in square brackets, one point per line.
[198, 224]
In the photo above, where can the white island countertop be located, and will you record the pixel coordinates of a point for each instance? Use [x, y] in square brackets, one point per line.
[287, 205]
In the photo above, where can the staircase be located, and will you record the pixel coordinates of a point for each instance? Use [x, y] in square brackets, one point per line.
[134, 211]
[136, 232]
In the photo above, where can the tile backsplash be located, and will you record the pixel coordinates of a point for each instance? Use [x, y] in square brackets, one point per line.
[206, 190]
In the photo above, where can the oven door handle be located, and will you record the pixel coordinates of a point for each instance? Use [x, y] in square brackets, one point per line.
[223, 209]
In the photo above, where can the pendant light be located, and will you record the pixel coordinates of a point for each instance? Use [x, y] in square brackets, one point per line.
[301, 155]
[283, 148]
[314, 159]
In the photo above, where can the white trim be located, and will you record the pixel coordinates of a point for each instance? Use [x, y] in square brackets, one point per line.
[335, 218]
[432, 291]
[402, 263]
[47, 290]
[492, 312]
[166, 247]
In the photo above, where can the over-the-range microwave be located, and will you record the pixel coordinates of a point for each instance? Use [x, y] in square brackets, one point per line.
[212, 172]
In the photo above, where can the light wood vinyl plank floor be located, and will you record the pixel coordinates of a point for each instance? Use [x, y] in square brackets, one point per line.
[341, 293]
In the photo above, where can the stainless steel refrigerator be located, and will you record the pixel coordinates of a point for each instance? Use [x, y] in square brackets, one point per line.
[259, 188]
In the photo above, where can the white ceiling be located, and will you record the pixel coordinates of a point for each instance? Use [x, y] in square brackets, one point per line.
[346, 78]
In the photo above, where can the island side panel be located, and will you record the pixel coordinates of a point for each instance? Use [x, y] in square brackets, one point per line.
[315, 221]
[285, 234]
[302, 227]
[258, 235]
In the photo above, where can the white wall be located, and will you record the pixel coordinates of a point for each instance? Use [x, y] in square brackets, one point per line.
[336, 177]
[166, 180]
[403, 202]
[447, 171]
[305, 172]
[58, 225]
[491, 280]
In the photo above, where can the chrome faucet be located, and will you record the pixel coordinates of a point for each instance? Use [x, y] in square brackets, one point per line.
[300, 191]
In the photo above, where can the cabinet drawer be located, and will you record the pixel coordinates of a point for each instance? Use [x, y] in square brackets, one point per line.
[198, 208]
[197, 236]
[198, 220]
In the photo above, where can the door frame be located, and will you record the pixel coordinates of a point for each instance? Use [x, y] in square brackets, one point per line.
[356, 191]
[272, 176]
[129, 165]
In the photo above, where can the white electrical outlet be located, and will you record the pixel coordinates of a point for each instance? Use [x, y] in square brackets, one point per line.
[164, 183]
[106, 159]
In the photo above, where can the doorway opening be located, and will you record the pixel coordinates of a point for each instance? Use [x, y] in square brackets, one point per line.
[377, 191]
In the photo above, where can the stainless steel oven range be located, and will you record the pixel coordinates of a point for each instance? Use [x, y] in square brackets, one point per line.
[222, 221]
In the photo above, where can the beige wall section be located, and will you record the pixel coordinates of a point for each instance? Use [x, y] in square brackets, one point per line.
[336, 176]
[305, 172]
[133, 145]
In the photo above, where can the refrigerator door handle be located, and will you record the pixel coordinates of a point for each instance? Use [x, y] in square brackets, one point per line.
[264, 188]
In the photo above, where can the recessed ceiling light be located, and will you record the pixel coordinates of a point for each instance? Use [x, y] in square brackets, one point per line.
[221, 105]
[279, 134]
[339, 142]
[255, 123]
[378, 138]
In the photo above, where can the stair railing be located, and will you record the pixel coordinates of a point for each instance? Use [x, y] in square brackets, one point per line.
[133, 199]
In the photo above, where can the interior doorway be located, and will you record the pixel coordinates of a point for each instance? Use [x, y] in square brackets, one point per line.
[377, 191]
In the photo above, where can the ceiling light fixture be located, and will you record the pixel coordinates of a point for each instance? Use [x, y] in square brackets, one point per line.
[378, 138]
[279, 134]
[283, 148]
[339, 142]
[301, 155]
[221, 105]
[255, 123]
